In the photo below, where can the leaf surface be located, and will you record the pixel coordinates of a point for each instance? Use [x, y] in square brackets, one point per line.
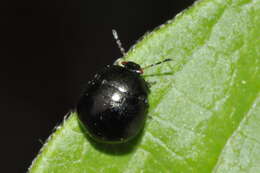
[204, 105]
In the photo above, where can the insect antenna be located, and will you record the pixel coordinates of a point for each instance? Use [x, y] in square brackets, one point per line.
[158, 63]
[118, 42]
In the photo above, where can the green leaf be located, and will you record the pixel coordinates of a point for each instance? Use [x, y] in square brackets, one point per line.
[204, 105]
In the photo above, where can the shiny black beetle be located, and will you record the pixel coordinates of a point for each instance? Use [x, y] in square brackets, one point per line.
[114, 104]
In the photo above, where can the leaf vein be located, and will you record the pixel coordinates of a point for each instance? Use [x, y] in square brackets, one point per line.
[163, 145]
[236, 131]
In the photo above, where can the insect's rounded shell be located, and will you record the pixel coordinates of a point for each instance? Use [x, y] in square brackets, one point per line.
[114, 104]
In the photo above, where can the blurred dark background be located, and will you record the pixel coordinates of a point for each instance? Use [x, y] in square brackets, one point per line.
[47, 49]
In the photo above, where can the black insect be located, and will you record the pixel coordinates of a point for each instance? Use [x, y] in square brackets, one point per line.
[114, 104]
